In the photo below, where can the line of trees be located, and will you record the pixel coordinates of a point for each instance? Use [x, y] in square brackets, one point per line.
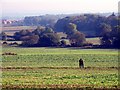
[111, 38]
[75, 27]
[45, 36]
[88, 24]
[41, 36]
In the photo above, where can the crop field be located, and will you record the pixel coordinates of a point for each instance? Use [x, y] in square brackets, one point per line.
[58, 68]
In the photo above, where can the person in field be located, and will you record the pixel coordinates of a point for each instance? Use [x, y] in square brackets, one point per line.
[81, 63]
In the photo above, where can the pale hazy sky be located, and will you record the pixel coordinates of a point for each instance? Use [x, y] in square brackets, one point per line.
[37, 7]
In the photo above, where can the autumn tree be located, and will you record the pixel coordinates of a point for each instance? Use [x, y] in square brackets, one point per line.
[30, 40]
[3, 36]
[104, 28]
[49, 39]
[70, 28]
[22, 33]
[39, 30]
[116, 36]
[48, 30]
[106, 40]
[112, 39]
[77, 39]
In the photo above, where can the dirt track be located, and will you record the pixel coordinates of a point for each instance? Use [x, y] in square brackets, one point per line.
[34, 68]
[56, 87]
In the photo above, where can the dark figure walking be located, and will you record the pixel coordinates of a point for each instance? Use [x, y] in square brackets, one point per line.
[81, 63]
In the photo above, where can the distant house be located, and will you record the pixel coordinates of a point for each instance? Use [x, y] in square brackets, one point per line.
[7, 22]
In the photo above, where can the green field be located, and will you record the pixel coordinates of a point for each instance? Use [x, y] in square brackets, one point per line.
[94, 41]
[10, 30]
[58, 68]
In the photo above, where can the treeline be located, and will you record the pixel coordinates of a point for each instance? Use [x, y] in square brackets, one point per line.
[46, 36]
[45, 20]
[77, 28]
[88, 24]
[42, 36]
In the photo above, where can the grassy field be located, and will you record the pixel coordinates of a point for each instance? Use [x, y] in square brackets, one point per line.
[58, 68]
[12, 29]
[95, 41]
